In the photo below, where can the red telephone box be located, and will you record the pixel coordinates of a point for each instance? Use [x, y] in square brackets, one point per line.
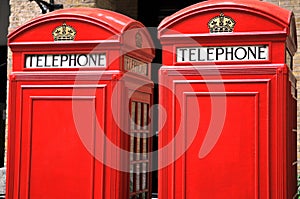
[228, 123]
[80, 93]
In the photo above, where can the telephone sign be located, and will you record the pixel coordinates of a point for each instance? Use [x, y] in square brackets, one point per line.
[65, 61]
[222, 53]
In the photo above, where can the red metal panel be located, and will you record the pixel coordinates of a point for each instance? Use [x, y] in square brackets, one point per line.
[234, 160]
[53, 159]
[59, 152]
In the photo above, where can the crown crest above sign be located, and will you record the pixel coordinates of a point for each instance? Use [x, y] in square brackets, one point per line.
[221, 24]
[64, 33]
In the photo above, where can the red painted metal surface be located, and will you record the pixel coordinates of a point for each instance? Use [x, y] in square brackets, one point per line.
[228, 127]
[68, 120]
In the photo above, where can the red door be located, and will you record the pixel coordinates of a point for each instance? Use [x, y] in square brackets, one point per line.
[54, 158]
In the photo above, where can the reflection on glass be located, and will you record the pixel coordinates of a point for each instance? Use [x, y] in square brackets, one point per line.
[131, 178]
[138, 145]
[145, 116]
[144, 181]
[133, 105]
[131, 147]
[139, 116]
[145, 147]
[145, 167]
[137, 182]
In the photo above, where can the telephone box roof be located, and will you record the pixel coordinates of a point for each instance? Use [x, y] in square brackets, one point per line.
[264, 9]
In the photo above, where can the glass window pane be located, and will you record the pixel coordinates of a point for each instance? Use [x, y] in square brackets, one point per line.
[145, 143]
[145, 167]
[131, 178]
[144, 175]
[141, 145]
[137, 182]
[145, 146]
[144, 181]
[131, 147]
[139, 116]
[133, 107]
[145, 116]
[134, 178]
[138, 146]
[139, 149]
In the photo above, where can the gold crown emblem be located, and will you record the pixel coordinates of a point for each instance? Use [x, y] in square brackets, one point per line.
[64, 33]
[221, 23]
